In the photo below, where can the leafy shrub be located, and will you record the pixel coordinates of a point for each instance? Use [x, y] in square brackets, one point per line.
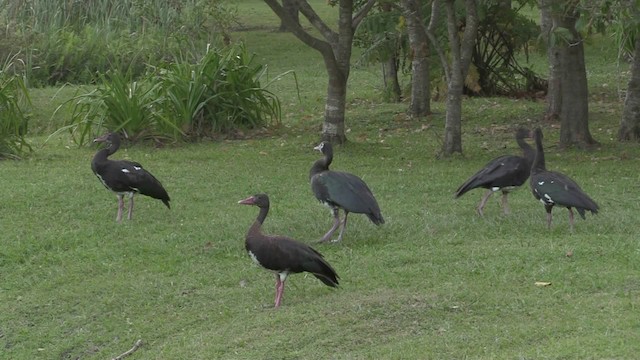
[218, 94]
[13, 120]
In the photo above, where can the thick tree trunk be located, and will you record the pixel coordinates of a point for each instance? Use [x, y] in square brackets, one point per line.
[336, 52]
[630, 123]
[420, 85]
[333, 125]
[461, 52]
[554, 100]
[291, 7]
[574, 110]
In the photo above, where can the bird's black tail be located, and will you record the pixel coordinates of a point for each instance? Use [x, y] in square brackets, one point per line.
[586, 203]
[323, 270]
[376, 218]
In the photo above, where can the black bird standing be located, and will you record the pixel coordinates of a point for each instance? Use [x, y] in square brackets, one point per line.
[553, 188]
[341, 190]
[281, 254]
[125, 177]
[504, 173]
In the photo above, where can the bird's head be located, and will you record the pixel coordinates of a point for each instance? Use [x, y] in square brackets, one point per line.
[259, 200]
[324, 147]
[537, 134]
[108, 138]
[524, 133]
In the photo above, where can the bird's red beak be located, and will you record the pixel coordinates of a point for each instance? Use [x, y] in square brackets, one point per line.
[248, 201]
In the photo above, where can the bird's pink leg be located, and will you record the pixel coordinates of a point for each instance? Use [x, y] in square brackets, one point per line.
[483, 202]
[571, 219]
[278, 282]
[130, 207]
[505, 203]
[344, 224]
[336, 223]
[279, 289]
[120, 207]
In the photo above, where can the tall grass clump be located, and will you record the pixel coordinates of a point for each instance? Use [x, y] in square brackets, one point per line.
[14, 97]
[118, 104]
[219, 94]
[72, 41]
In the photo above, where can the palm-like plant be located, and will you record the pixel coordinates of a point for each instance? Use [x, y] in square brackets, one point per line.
[14, 96]
[119, 104]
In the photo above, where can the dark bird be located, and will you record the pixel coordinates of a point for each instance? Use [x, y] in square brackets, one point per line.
[504, 173]
[553, 188]
[341, 190]
[281, 254]
[125, 177]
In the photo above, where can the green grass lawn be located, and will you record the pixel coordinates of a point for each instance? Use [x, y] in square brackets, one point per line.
[436, 281]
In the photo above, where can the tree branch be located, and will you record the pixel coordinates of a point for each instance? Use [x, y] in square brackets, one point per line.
[316, 21]
[435, 16]
[357, 19]
[296, 28]
[130, 351]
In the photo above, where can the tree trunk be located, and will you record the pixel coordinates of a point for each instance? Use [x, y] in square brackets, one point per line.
[630, 123]
[333, 125]
[391, 83]
[574, 108]
[461, 52]
[554, 100]
[336, 53]
[390, 68]
[420, 85]
[291, 7]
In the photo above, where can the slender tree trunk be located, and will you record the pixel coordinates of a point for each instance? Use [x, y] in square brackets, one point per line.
[390, 68]
[420, 85]
[630, 123]
[554, 100]
[390, 74]
[574, 109]
[291, 7]
[461, 53]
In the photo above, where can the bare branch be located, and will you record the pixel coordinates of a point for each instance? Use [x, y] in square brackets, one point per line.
[435, 17]
[316, 21]
[130, 351]
[295, 27]
[357, 19]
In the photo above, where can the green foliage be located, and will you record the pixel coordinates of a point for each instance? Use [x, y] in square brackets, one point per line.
[504, 34]
[218, 94]
[14, 97]
[71, 41]
[118, 104]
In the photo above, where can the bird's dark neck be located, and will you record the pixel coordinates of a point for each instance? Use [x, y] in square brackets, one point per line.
[528, 152]
[538, 162]
[321, 165]
[255, 228]
[103, 154]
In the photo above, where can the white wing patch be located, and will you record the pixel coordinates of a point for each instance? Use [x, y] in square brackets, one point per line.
[126, 171]
[137, 168]
[540, 183]
[254, 258]
[549, 199]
